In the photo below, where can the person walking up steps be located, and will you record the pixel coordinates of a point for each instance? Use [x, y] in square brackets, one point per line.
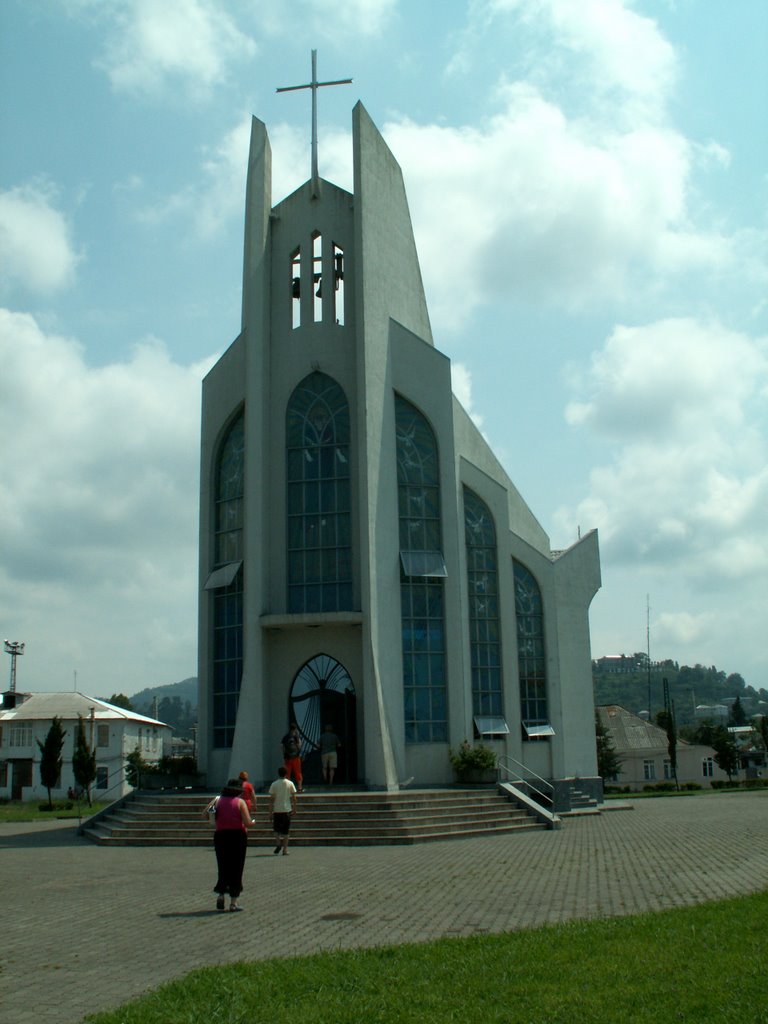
[230, 841]
[282, 806]
[249, 793]
[291, 744]
[329, 746]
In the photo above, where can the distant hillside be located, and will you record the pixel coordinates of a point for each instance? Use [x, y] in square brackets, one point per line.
[185, 690]
[626, 683]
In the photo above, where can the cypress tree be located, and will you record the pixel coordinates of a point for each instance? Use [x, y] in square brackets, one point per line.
[50, 757]
[83, 760]
[608, 761]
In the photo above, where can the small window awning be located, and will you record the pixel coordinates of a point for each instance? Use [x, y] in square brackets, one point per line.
[223, 576]
[535, 729]
[491, 725]
[423, 563]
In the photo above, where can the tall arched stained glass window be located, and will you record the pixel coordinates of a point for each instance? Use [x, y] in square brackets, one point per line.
[482, 585]
[226, 584]
[531, 653]
[421, 577]
[318, 500]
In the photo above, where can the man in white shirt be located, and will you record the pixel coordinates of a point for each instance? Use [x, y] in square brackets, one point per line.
[282, 805]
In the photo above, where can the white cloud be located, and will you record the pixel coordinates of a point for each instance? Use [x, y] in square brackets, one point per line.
[682, 404]
[217, 199]
[98, 505]
[461, 385]
[534, 205]
[152, 45]
[36, 247]
[360, 17]
[577, 208]
[676, 629]
[579, 191]
[610, 46]
[673, 378]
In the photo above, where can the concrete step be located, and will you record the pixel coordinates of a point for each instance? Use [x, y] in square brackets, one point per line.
[309, 830]
[206, 842]
[356, 818]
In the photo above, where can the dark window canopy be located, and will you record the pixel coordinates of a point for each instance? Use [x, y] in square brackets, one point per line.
[535, 730]
[223, 576]
[423, 563]
[491, 725]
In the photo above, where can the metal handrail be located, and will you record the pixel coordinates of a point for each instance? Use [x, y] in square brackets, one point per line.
[100, 799]
[544, 789]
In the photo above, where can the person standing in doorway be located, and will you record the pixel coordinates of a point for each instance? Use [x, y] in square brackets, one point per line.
[230, 841]
[282, 807]
[291, 743]
[329, 747]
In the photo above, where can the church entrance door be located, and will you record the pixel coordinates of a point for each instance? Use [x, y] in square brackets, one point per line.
[323, 694]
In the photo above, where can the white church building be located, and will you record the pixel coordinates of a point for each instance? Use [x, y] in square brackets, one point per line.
[365, 561]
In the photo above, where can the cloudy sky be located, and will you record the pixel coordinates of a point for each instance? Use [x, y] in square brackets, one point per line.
[588, 184]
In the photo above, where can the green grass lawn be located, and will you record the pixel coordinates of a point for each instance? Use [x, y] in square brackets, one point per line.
[701, 965]
[15, 810]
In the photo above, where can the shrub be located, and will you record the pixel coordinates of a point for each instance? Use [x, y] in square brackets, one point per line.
[468, 758]
[755, 783]
[185, 765]
[690, 786]
[135, 767]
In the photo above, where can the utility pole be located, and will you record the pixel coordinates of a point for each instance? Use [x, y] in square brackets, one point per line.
[648, 649]
[669, 707]
[14, 648]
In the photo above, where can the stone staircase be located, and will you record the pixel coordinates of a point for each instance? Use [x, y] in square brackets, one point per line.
[322, 819]
[581, 803]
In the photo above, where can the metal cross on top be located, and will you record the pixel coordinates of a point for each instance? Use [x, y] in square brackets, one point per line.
[314, 85]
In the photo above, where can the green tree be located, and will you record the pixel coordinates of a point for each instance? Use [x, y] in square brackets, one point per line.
[738, 714]
[83, 760]
[121, 701]
[666, 721]
[135, 766]
[50, 757]
[608, 761]
[760, 726]
[704, 733]
[726, 752]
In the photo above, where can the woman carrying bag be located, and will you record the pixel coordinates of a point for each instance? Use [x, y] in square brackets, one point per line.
[230, 841]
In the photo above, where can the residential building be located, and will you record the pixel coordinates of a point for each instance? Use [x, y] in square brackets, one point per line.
[644, 752]
[111, 731]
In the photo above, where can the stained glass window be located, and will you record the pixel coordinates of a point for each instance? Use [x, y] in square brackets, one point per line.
[227, 625]
[422, 596]
[318, 501]
[483, 593]
[531, 653]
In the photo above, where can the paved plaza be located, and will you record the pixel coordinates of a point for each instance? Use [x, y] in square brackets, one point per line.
[86, 928]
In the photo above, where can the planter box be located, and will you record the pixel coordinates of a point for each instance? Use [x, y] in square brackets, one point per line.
[476, 776]
[154, 781]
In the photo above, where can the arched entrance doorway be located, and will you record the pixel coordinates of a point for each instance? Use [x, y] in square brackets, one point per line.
[323, 694]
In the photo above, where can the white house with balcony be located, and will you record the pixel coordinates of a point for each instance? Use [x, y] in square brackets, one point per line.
[111, 731]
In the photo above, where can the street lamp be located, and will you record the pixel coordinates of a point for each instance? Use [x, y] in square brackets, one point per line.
[14, 648]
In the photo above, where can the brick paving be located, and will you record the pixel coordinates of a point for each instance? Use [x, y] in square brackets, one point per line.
[86, 928]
